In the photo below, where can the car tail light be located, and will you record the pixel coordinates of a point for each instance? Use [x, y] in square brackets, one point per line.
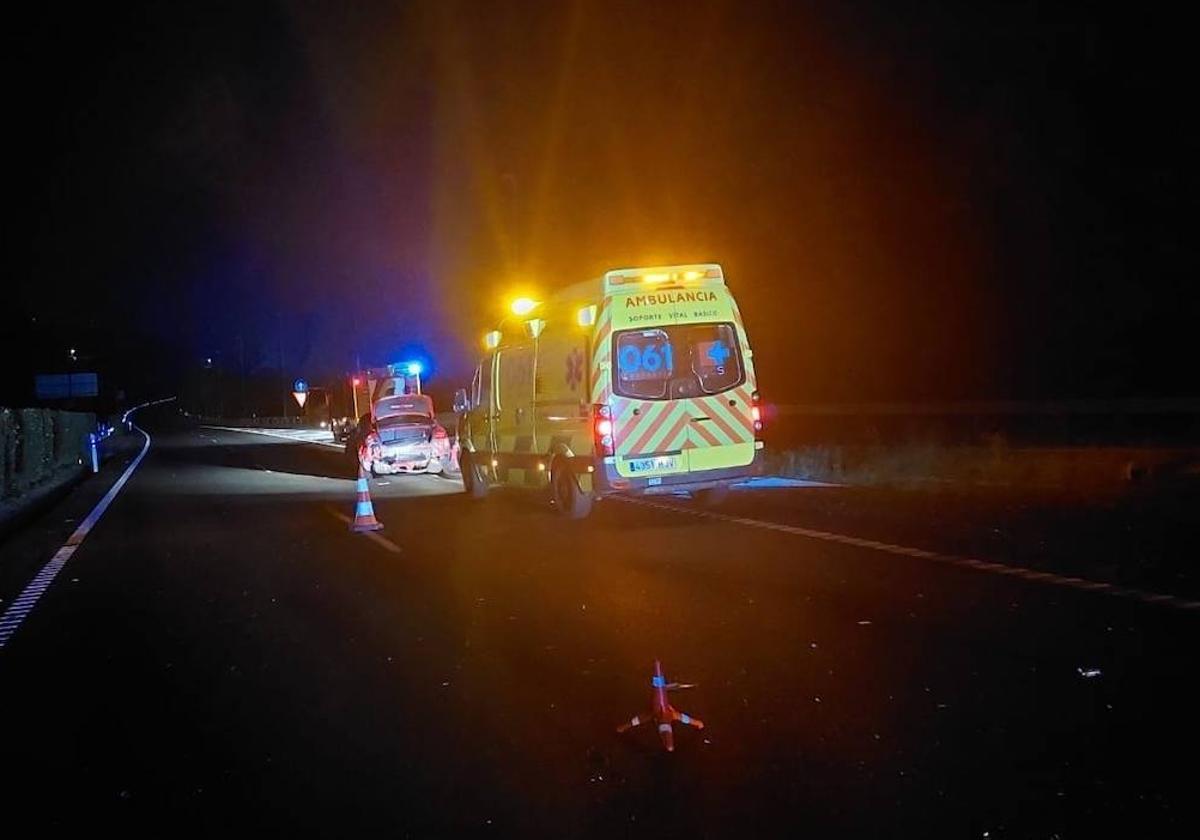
[440, 440]
[602, 427]
[756, 412]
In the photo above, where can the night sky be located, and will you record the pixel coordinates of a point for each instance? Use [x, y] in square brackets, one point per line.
[922, 203]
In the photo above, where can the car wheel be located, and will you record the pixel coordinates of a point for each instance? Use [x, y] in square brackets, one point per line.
[712, 496]
[473, 479]
[570, 500]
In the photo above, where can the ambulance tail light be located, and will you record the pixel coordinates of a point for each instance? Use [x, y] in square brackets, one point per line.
[756, 412]
[602, 427]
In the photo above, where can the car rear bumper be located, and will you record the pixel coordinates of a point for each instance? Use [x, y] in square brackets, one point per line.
[389, 462]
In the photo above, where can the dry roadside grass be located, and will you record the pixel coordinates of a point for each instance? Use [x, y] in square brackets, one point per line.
[993, 464]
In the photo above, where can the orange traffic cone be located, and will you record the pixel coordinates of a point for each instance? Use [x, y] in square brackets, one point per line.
[364, 511]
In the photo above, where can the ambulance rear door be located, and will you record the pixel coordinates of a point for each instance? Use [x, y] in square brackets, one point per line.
[650, 430]
[717, 386]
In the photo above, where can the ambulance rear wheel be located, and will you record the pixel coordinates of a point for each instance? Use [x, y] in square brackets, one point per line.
[474, 481]
[570, 500]
[712, 496]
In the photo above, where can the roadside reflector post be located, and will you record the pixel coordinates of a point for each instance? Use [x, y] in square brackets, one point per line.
[94, 448]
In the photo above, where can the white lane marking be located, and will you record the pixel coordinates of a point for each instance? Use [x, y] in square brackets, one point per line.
[282, 435]
[140, 406]
[374, 537]
[949, 559]
[20, 609]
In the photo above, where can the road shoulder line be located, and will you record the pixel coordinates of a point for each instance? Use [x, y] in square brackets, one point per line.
[23, 605]
[1032, 575]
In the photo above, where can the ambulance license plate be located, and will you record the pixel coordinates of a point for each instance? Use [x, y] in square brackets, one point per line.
[656, 464]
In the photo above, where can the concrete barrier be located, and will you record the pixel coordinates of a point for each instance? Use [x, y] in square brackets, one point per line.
[36, 444]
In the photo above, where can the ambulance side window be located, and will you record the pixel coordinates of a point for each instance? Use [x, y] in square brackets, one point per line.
[475, 386]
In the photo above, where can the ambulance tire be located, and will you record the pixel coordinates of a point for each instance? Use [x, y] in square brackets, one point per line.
[712, 496]
[474, 481]
[570, 500]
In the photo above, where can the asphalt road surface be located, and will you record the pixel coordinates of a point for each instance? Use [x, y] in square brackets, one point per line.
[221, 656]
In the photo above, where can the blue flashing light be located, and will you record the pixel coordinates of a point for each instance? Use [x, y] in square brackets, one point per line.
[414, 368]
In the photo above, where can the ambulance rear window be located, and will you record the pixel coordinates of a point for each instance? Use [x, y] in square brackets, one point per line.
[676, 362]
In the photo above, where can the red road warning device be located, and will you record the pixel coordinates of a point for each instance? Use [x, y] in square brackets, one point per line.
[664, 714]
[364, 511]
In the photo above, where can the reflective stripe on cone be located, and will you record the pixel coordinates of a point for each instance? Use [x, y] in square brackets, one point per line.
[364, 511]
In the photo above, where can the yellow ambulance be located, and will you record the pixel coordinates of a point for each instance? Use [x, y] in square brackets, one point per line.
[641, 382]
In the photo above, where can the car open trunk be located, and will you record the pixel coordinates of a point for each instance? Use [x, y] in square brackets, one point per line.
[404, 429]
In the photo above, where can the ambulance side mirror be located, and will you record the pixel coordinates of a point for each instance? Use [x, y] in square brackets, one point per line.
[460, 401]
